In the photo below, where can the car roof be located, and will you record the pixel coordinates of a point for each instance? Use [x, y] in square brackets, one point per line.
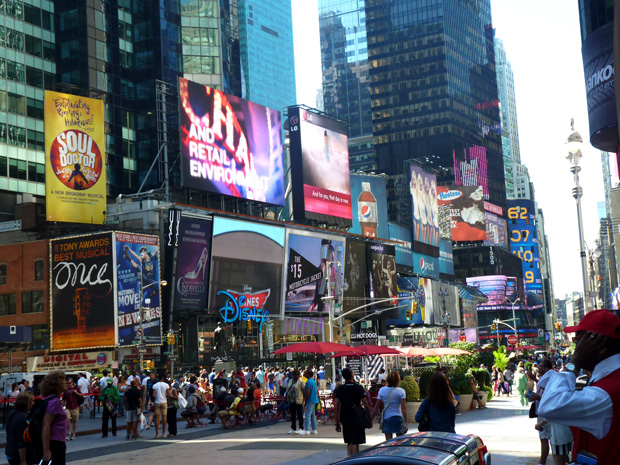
[418, 449]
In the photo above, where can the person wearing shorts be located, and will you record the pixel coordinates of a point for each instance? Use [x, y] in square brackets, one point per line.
[161, 391]
[70, 402]
[133, 401]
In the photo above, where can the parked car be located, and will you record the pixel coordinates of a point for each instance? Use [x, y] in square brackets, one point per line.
[424, 449]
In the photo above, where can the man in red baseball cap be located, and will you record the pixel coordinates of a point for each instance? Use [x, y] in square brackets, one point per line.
[594, 412]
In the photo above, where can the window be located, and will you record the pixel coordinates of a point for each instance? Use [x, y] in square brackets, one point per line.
[34, 109]
[34, 77]
[48, 50]
[39, 274]
[15, 71]
[40, 337]
[3, 271]
[16, 103]
[7, 304]
[32, 15]
[32, 302]
[36, 140]
[33, 45]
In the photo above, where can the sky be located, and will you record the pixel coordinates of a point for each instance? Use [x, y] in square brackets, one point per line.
[543, 44]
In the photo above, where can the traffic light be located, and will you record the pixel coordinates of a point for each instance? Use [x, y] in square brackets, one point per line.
[171, 339]
[558, 325]
[414, 306]
[249, 325]
[409, 312]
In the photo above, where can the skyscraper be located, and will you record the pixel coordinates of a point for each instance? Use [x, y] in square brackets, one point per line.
[508, 115]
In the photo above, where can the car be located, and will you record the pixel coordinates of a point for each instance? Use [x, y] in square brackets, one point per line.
[424, 449]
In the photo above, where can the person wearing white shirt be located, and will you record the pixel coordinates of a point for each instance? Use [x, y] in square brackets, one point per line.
[594, 411]
[161, 392]
[103, 382]
[82, 385]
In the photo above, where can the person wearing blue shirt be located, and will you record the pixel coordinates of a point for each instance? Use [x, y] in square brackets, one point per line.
[311, 397]
[322, 379]
[439, 405]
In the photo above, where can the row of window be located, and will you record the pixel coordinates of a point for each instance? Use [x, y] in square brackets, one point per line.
[39, 273]
[21, 169]
[32, 302]
[28, 13]
[21, 42]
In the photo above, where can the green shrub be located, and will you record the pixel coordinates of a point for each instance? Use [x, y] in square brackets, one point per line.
[482, 377]
[412, 390]
[460, 383]
[501, 358]
[489, 389]
[462, 362]
[487, 358]
[425, 377]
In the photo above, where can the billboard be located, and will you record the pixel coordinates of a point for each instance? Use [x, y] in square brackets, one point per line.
[246, 269]
[308, 270]
[229, 145]
[499, 289]
[496, 230]
[355, 275]
[193, 263]
[320, 167]
[370, 213]
[381, 269]
[466, 205]
[418, 290]
[404, 252]
[75, 169]
[446, 306]
[83, 304]
[524, 244]
[472, 169]
[446, 259]
[423, 187]
[425, 265]
[137, 270]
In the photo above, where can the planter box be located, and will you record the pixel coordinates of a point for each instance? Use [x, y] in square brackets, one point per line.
[412, 409]
[483, 401]
[465, 403]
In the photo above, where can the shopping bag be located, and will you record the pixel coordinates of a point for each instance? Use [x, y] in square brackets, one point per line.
[182, 401]
[142, 421]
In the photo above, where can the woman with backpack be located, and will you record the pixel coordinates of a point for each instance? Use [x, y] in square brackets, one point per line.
[15, 450]
[54, 430]
[295, 398]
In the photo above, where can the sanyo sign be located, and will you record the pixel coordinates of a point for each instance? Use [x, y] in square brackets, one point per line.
[600, 77]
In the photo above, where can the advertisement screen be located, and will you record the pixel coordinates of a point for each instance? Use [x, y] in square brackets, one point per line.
[446, 307]
[524, 244]
[247, 266]
[193, 263]
[446, 259]
[368, 194]
[229, 145]
[419, 290]
[83, 305]
[472, 169]
[425, 265]
[404, 252]
[320, 167]
[137, 268]
[466, 203]
[496, 230]
[499, 289]
[381, 268]
[355, 275]
[311, 269]
[423, 188]
[75, 173]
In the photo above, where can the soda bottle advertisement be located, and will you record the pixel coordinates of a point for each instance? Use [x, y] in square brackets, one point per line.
[368, 194]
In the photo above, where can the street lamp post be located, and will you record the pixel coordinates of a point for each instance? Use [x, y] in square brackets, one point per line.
[574, 142]
[514, 318]
[446, 314]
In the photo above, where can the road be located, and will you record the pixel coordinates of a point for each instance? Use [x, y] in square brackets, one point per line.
[504, 426]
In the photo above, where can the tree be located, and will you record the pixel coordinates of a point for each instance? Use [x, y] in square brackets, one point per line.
[501, 358]
[462, 362]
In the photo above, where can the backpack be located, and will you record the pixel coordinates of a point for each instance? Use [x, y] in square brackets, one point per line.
[291, 397]
[33, 434]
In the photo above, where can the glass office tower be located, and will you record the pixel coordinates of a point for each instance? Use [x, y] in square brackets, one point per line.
[265, 31]
[27, 67]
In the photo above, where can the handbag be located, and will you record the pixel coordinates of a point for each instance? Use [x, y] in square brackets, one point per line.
[360, 417]
[385, 408]
[425, 423]
[532, 413]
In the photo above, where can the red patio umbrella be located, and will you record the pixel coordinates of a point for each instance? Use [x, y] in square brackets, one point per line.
[367, 350]
[316, 348]
[418, 352]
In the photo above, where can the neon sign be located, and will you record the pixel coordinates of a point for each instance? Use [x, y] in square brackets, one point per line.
[244, 307]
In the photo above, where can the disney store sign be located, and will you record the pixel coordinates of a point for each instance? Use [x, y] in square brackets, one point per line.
[245, 306]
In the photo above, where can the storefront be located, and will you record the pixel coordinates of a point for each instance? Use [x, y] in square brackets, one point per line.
[78, 361]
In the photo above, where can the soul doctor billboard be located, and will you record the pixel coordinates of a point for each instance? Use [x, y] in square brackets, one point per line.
[320, 167]
[229, 145]
[75, 176]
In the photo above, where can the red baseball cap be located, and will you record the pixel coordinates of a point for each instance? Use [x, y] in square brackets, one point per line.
[598, 321]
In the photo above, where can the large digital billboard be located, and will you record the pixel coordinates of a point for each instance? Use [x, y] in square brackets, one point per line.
[496, 230]
[466, 205]
[425, 265]
[524, 244]
[83, 303]
[420, 291]
[355, 275]
[315, 264]
[404, 252]
[229, 145]
[381, 268]
[193, 263]
[75, 167]
[370, 213]
[499, 289]
[472, 169]
[137, 271]
[446, 258]
[423, 187]
[446, 307]
[247, 268]
[320, 167]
